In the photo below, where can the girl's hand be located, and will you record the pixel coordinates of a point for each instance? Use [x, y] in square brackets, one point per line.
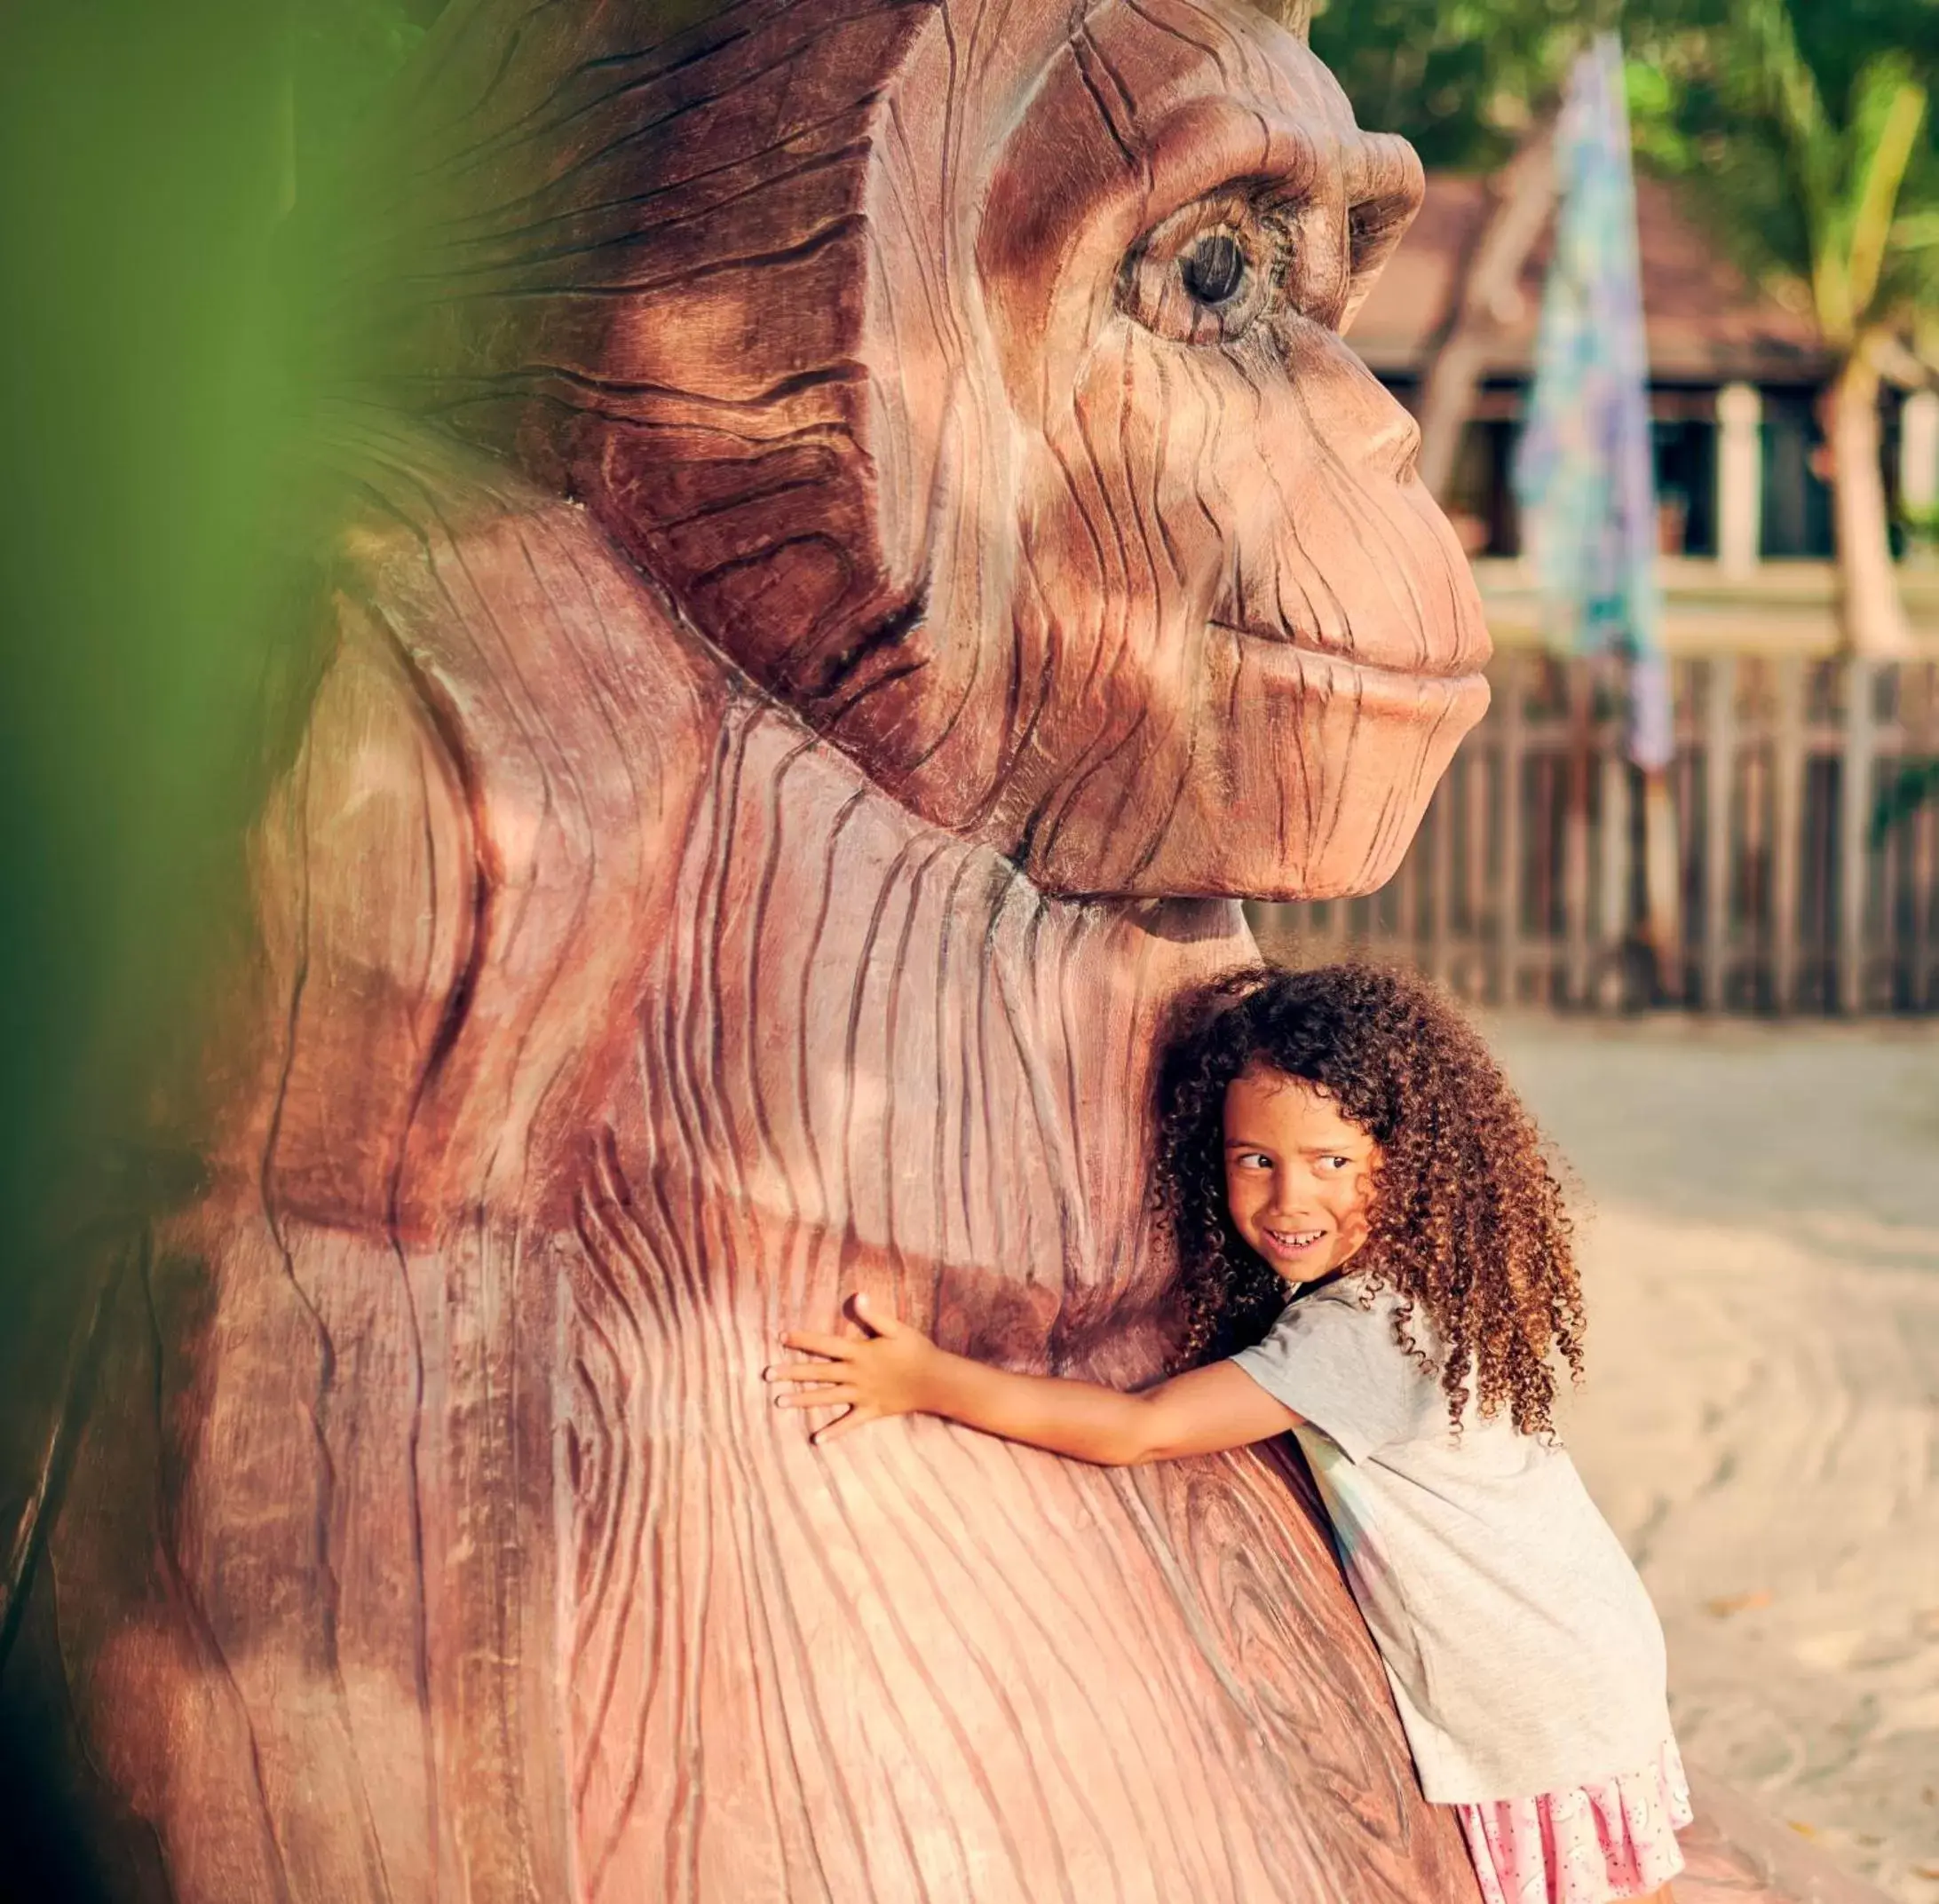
[895, 1369]
[885, 1372]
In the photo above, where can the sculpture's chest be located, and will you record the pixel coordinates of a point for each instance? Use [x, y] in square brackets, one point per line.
[861, 1035]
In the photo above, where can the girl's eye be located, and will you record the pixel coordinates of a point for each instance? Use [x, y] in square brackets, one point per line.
[1336, 1163]
[1205, 275]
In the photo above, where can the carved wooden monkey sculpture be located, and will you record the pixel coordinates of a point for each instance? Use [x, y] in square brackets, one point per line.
[888, 546]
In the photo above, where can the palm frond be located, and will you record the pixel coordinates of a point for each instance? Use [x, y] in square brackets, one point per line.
[1779, 71]
[1888, 112]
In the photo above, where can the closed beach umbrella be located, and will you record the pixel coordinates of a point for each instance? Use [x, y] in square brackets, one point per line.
[1584, 473]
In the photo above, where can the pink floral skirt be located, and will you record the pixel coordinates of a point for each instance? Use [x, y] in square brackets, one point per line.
[1616, 1839]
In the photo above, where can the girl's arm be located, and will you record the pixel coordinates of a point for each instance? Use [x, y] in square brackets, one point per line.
[895, 1369]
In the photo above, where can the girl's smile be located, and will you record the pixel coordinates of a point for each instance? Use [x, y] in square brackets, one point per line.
[1298, 1174]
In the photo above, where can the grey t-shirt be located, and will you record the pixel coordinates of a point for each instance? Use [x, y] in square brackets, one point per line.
[1522, 1648]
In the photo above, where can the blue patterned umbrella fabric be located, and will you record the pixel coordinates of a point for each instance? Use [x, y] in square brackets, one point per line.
[1584, 472]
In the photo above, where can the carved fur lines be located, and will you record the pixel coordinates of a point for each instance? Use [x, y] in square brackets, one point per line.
[740, 856]
[929, 1666]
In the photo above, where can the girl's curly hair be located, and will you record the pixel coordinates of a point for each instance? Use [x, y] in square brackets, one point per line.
[1466, 1224]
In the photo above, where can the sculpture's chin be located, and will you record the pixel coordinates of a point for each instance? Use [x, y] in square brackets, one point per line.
[1309, 784]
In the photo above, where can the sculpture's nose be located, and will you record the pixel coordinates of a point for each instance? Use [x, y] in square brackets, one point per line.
[1338, 402]
[1346, 553]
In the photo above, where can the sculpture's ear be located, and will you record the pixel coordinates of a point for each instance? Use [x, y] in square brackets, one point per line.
[1296, 16]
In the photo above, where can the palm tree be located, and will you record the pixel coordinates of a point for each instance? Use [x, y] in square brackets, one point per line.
[1833, 208]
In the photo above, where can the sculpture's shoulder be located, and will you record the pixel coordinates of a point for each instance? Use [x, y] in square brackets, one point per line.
[474, 842]
[528, 638]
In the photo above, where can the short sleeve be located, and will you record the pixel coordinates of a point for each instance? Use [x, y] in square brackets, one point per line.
[1339, 1367]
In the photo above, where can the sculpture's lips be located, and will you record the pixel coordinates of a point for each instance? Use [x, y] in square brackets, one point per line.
[1374, 679]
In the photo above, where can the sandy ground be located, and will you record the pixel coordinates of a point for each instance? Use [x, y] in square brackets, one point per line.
[1761, 1239]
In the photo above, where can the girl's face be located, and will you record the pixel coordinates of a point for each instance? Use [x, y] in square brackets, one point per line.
[1298, 1176]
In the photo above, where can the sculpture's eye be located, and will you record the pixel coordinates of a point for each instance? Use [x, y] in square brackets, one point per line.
[1215, 268]
[1204, 275]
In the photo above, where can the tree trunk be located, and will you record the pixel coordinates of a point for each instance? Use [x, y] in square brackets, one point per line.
[1522, 197]
[1871, 615]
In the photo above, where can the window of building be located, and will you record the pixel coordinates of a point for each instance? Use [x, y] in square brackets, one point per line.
[1797, 502]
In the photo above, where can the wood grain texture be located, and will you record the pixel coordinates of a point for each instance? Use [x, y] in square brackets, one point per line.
[862, 328]
[843, 630]
[623, 1021]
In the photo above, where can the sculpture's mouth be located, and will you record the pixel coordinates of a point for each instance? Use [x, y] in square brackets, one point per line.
[1389, 674]
[1428, 659]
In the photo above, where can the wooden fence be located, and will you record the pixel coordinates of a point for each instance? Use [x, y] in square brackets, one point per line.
[1529, 881]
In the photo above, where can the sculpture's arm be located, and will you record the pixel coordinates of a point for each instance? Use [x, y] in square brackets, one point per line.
[369, 862]
[896, 1370]
[456, 880]
[473, 858]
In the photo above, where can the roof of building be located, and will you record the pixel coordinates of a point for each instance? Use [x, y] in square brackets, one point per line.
[1706, 323]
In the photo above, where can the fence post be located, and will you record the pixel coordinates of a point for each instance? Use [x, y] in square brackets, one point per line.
[1787, 829]
[1853, 831]
[1663, 884]
[1409, 907]
[1575, 842]
[1613, 927]
[1720, 770]
[1441, 846]
[1483, 771]
[1513, 749]
[1923, 979]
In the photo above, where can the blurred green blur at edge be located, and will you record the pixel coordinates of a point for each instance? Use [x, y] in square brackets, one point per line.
[159, 538]
[149, 423]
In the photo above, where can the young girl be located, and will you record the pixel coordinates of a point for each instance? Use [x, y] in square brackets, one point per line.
[1375, 1255]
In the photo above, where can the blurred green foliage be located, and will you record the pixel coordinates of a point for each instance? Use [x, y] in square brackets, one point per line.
[1770, 114]
[1907, 789]
[1465, 81]
[1459, 81]
[1801, 132]
[343, 55]
[150, 414]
